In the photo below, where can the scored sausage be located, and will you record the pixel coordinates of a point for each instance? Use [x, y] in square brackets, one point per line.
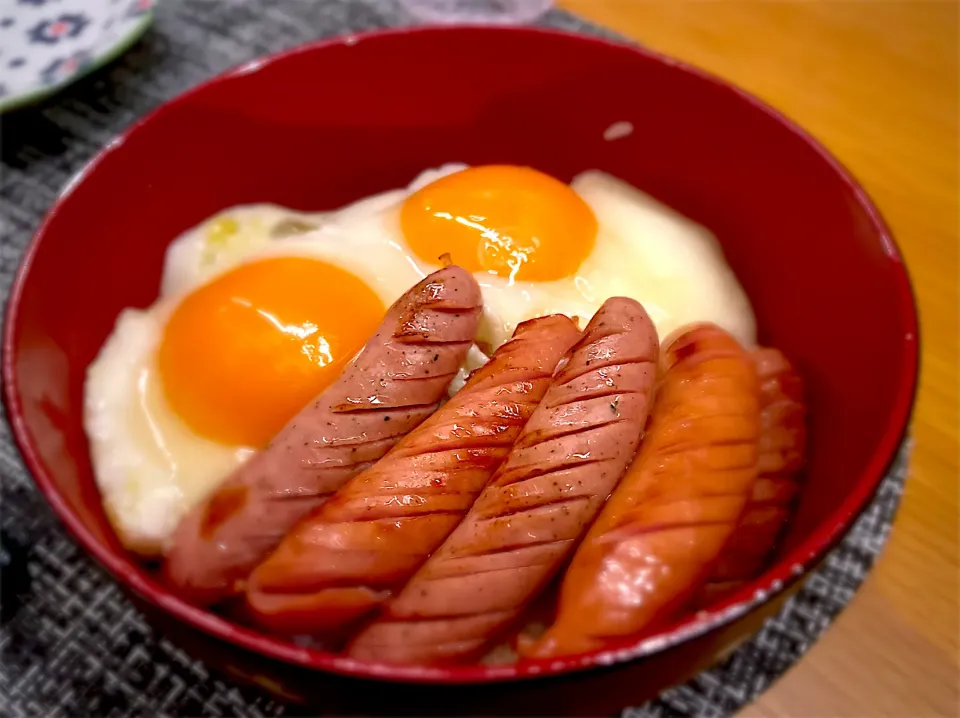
[783, 445]
[397, 381]
[663, 528]
[566, 461]
[343, 560]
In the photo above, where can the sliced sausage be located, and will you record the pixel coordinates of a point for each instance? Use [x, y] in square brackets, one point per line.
[783, 445]
[663, 528]
[352, 553]
[397, 381]
[566, 461]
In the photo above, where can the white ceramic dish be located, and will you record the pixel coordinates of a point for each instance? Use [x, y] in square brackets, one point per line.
[47, 44]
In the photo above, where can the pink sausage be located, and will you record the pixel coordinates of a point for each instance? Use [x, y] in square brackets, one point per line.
[567, 460]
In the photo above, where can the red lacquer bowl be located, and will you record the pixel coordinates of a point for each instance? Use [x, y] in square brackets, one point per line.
[319, 126]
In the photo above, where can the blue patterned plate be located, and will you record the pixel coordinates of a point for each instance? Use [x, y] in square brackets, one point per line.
[47, 44]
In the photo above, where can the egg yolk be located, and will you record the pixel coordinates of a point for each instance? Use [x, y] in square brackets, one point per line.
[241, 355]
[514, 222]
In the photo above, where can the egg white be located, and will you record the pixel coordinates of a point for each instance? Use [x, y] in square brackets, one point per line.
[222, 242]
[674, 267]
[149, 466]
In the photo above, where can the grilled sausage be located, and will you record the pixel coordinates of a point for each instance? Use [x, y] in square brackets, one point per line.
[352, 553]
[783, 440]
[395, 383]
[566, 461]
[662, 530]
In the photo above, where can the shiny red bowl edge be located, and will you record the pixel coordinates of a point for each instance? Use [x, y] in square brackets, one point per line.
[788, 568]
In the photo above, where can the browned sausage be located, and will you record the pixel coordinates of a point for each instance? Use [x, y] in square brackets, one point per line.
[663, 528]
[569, 457]
[783, 439]
[352, 553]
[395, 383]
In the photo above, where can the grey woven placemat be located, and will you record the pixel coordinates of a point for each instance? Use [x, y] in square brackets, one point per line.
[71, 643]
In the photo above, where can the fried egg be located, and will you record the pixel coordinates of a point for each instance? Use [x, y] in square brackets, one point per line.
[240, 339]
[260, 307]
[538, 246]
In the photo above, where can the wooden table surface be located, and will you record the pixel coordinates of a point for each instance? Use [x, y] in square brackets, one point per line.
[877, 82]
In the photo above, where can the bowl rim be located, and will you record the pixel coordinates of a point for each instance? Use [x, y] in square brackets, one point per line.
[771, 583]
